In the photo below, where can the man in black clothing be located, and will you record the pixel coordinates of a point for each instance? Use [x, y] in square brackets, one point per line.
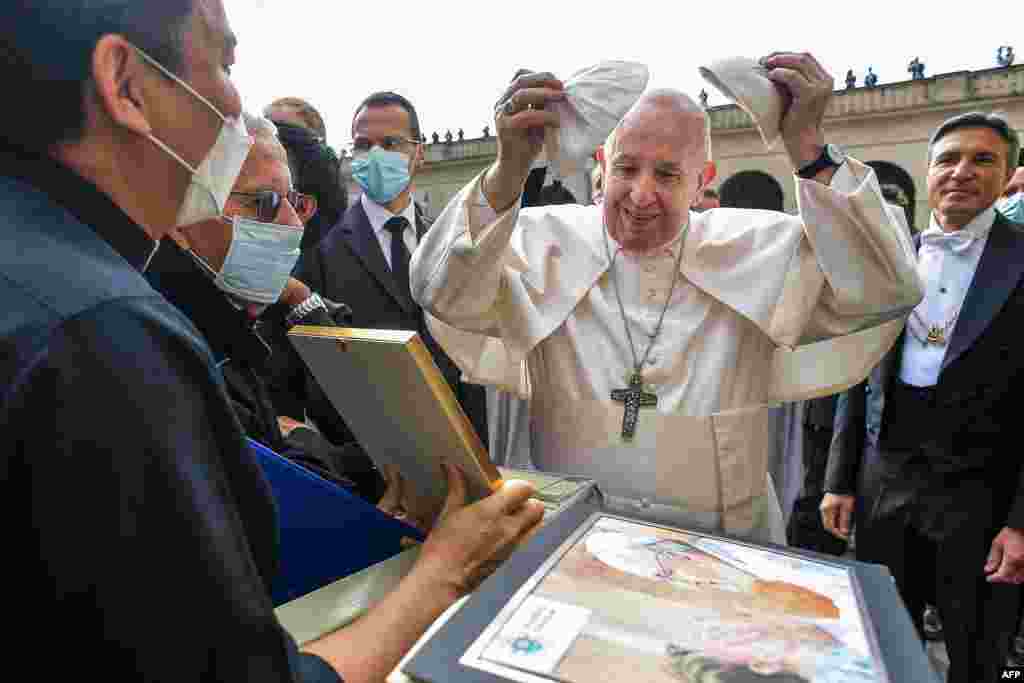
[136, 514]
[944, 485]
[183, 271]
[316, 170]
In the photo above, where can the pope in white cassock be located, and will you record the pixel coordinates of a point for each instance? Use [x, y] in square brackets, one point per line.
[653, 340]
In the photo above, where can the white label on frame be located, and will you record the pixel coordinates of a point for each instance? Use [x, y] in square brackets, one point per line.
[537, 635]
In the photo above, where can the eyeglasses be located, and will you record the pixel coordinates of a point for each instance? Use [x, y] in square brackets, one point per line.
[268, 204]
[388, 143]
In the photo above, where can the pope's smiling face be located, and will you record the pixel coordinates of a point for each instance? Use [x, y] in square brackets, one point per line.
[966, 174]
[653, 173]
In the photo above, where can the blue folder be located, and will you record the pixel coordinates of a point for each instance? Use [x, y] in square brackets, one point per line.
[326, 532]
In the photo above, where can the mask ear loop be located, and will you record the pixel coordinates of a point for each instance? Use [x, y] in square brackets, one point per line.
[160, 67]
[193, 172]
[188, 167]
[203, 263]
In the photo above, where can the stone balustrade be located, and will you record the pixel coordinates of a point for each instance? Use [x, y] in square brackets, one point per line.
[939, 90]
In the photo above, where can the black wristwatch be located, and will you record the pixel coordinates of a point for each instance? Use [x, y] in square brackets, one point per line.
[831, 155]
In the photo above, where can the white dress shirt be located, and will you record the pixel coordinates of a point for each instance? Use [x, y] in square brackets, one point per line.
[378, 216]
[946, 266]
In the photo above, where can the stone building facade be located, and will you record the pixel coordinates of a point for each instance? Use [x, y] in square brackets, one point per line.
[887, 126]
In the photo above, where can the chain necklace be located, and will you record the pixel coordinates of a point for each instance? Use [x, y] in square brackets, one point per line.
[638, 364]
[635, 397]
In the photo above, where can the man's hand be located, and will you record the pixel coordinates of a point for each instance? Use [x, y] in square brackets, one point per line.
[469, 542]
[836, 514]
[287, 424]
[464, 548]
[808, 89]
[1006, 558]
[394, 503]
[520, 119]
[295, 292]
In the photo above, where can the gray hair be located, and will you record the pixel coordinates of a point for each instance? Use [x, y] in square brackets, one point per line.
[259, 126]
[995, 121]
[264, 132]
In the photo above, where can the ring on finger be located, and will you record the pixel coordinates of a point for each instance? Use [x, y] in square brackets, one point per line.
[510, 109]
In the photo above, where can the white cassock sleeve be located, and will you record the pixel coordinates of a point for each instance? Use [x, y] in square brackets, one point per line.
[831, 287]
[843, 266]
[509, 280]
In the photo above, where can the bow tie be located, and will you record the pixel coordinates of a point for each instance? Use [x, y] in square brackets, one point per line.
[956, 242]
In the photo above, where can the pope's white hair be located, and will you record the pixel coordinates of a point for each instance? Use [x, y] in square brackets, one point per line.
[675, 102]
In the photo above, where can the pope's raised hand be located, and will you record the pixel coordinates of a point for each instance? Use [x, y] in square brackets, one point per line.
[521, 116]
[808, 89]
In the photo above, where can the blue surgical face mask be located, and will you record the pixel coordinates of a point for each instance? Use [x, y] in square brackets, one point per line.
[1013, 207]
[383, 175]
[259, 261]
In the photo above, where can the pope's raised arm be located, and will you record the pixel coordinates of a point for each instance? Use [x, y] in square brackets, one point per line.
[456, 272]
[650, 338]
[843, 265]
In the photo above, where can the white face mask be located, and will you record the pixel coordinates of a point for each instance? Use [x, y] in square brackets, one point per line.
[212, 181]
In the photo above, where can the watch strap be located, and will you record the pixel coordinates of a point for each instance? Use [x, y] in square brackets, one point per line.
[300, 311]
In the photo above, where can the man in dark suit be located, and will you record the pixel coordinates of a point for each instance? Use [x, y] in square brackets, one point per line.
[804, 528]
[364, 259]
[940, 497]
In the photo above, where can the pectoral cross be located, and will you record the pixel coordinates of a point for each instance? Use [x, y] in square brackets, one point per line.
[634, 399]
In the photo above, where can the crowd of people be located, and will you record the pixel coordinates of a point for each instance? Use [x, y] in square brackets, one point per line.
[159, 242]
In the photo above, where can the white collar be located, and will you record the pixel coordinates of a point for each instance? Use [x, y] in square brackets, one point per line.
[978, 227]
[378, 215]
[668, 249]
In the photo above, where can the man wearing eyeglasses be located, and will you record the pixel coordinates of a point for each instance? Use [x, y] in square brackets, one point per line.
[364, 259]
[207, 271]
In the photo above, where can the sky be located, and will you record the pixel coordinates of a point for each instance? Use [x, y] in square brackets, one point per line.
[453, 59]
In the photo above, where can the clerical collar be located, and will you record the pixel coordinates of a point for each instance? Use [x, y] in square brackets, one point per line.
[229, 330]
[978, 226]
[668, 249]
[86, 202]
[378, 215]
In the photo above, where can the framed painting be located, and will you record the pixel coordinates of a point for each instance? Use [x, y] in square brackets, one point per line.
[601, 597]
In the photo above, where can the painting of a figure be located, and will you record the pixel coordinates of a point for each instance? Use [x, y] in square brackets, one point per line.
[632, 601]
